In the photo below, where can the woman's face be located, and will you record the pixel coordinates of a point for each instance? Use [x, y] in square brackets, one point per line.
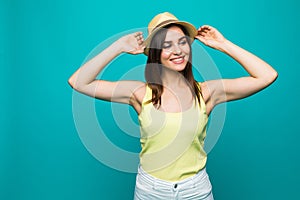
[175, 49]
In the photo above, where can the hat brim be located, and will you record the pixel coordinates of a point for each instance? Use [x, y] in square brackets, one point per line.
[192, 32]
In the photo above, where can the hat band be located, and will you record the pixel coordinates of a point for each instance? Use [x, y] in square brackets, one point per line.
[163, 23]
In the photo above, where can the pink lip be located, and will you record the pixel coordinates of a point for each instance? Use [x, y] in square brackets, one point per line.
[178, 62]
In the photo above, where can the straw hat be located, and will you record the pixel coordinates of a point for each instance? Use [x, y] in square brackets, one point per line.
[163, 19]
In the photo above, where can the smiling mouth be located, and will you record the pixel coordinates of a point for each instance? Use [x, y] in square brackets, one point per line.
[178, 60]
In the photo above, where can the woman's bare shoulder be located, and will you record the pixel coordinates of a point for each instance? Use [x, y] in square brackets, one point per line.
[138, 96]
[204, 90]
[206, 94]
[139, 91]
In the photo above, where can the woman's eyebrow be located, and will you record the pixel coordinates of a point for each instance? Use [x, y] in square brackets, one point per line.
[183, 37]
[168, 42]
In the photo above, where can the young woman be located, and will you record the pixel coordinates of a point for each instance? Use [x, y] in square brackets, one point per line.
[172, 107]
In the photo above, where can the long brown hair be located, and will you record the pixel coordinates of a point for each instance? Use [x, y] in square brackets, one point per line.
[154, 67]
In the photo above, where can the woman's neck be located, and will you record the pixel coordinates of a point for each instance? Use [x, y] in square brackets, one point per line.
[172, 79]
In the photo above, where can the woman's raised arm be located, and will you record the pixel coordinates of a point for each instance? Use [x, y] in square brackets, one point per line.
[261, 73]
[84, 79]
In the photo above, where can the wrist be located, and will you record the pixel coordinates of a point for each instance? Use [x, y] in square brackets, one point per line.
[118, 47]
[225, 46]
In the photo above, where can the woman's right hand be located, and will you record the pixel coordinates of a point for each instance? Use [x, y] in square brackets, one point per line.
[132, 43]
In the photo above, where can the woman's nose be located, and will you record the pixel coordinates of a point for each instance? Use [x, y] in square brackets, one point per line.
[176, 49]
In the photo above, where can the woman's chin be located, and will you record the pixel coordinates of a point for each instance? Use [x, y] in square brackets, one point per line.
[176, 67]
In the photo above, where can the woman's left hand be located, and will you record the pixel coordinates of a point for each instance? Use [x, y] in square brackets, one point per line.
[210, 36]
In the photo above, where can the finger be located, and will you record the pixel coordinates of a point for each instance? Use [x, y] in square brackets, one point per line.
[206, 27]
[140, 42]
[140, 39]
[138, 34]
[204, 30]
[201, 33]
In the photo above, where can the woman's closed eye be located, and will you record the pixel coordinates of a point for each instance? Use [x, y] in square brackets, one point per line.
[168, 44]
[183, 42]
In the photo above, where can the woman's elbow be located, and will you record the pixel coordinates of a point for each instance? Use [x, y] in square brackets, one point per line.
[71, 82]
[272, 76]
[76, 86]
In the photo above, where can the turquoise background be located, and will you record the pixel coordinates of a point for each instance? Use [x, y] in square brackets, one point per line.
[43, 42]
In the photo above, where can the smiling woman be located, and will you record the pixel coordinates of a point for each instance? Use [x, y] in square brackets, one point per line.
[175, 49]
[172, 107]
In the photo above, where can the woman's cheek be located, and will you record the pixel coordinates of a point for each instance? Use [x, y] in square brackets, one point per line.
[186, 50]
[165, 55]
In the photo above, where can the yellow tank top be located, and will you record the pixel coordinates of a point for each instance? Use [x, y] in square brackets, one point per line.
[172, 142]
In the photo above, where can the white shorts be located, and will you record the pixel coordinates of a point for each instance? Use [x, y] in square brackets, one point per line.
[197, 187]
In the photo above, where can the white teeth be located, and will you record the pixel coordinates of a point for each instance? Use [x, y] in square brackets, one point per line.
[177, 59]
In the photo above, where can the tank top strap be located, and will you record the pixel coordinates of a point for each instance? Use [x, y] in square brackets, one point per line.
[148, 95]
[202, 102]
[198, 84]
